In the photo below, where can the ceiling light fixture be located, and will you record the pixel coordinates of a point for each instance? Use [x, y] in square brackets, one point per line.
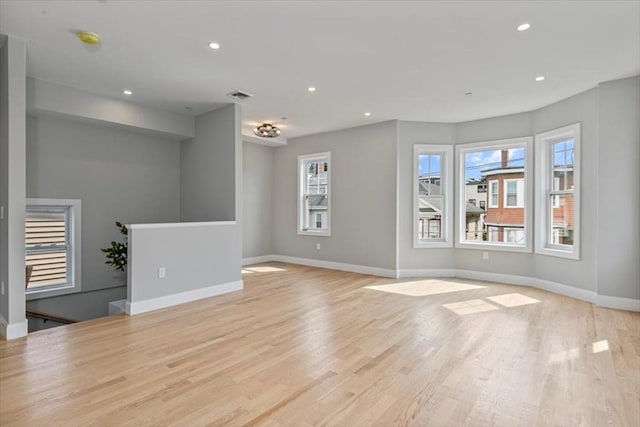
[367, 114]
[88, 37]
[214, 45]
[127, 92]
[523, 27]
[468, 94]
[267, 130]
[539, 78]
[311, 89]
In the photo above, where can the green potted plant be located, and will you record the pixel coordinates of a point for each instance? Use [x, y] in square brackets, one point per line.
[117, 252]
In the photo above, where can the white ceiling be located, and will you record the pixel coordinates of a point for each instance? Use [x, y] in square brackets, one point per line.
[397, 60]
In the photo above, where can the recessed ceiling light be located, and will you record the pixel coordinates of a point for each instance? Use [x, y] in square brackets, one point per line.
[311, 89]
[367, 114]
[468, 93]
[214, 45]
[539, 78]
[523, 27]
[127, 92]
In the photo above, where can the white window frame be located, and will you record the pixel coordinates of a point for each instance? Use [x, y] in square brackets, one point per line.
[544, 162]
[446, 176]
[525, 142]
[519, 200]
[490, 193]
[74, 251]
[301, 180]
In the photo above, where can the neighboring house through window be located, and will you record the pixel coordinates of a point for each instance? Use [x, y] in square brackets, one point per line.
[314, 202]
[503, 210]
[558, 197]
[432, 196]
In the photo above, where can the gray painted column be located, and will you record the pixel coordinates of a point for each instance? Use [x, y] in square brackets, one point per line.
[12, 187]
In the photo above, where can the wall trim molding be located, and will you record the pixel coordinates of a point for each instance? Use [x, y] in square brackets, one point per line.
[10, 331]
[139, 307]
[629, 304]
[619, 303]
[257, 259]
[426, 272]
[354, 268]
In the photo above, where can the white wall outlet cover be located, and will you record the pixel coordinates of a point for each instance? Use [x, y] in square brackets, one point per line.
[162, 272]
[318, 246]
[485, 255]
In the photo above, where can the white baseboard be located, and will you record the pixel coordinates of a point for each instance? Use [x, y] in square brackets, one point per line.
[362, 269]
[10, 331]
[257, 259]
[138, 307]
[628, 304]
[428, 272]
[510, 279]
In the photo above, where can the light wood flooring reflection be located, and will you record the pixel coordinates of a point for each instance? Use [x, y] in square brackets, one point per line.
[306, 346]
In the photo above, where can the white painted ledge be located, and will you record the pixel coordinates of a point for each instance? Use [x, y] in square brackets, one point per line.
[177, 225]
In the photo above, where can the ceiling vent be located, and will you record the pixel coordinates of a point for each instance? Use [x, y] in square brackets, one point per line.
[239, 95]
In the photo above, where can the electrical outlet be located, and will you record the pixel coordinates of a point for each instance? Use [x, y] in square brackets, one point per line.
[485, 255]
[318, 246]
[162, 273]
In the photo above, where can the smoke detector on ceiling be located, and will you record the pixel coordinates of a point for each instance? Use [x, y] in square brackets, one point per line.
[239, 95]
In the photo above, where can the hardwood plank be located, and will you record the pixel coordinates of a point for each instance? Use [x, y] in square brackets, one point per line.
[302, 346]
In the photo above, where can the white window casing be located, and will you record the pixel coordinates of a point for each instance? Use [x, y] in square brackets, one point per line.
[53, 246]
[524, 195]
[443, 200]
[307, 217]
[553, 193]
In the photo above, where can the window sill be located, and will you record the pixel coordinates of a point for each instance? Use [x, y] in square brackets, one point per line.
[558, 253]
[49, 293]
[495, 247]
[314, 233]
[432, 244]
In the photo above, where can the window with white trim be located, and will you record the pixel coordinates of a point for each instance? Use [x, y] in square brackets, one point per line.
[558, 194]
[52, 246]
[493, 194]
[432, 195]
[502, 218]
[314, 198]
[514, 193]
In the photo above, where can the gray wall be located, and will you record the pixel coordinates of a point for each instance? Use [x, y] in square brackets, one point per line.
[410, 133]
[199, 256]
[363, 197]
[119, 175]
[79, 306]
[208, 169]
[12, 184]
[579, 108]
[257, 180]
[618, 250]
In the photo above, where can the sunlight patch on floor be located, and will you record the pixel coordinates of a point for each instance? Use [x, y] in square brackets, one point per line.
[600, 346]
[470, 307]
[513, 300]
[564, 356]
[421, 288]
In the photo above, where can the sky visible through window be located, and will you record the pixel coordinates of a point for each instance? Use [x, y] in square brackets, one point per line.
[477, 161]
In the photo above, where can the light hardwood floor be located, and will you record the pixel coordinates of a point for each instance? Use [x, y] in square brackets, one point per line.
[305, 346]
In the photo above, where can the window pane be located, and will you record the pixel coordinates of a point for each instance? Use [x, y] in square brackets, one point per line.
[430, 217]
[562, 219]
[495, 180]
[314, 201]
[46, 245]
[429, 171]
[563, 157]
